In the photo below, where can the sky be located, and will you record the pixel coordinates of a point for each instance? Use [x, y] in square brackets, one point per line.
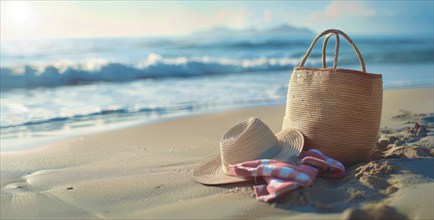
[71, 19]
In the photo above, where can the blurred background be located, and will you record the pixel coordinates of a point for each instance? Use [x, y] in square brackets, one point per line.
[71, 68]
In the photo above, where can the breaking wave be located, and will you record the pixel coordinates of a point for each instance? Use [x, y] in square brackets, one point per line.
[154, 66]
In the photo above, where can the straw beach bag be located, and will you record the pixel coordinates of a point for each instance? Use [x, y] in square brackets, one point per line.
[337, 110]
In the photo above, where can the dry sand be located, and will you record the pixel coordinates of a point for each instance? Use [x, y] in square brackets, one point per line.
[145, 172]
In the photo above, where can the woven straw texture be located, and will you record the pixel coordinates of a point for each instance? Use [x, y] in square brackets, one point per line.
[249, 140]
[337, 110]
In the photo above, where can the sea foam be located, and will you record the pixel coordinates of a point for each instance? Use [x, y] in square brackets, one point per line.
[154, 66]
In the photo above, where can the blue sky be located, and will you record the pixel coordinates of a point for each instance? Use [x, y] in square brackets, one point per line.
[58, 19]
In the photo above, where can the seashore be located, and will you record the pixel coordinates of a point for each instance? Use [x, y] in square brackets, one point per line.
[145, 172]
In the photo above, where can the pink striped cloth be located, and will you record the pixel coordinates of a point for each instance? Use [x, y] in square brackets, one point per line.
[282, 177]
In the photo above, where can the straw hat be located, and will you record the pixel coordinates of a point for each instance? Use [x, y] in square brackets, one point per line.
[249, 140]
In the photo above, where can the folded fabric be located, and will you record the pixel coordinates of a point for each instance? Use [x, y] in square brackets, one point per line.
[282, 177]
[327, 166]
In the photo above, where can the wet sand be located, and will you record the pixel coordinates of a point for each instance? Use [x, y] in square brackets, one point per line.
[145, 172]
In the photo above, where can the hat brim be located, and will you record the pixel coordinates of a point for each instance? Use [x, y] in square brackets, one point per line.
[211, 172]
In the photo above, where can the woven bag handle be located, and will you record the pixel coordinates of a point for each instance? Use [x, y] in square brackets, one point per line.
[324, 46]
[335, 31]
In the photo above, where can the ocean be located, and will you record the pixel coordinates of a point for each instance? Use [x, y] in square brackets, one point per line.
[57, 88]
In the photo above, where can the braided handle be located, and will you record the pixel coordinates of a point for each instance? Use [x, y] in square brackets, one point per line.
[339, 32]
[324, 46]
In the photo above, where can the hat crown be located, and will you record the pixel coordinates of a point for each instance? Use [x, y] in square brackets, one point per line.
[247, 141]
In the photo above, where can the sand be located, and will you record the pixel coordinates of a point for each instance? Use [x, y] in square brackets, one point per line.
[145, 172]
